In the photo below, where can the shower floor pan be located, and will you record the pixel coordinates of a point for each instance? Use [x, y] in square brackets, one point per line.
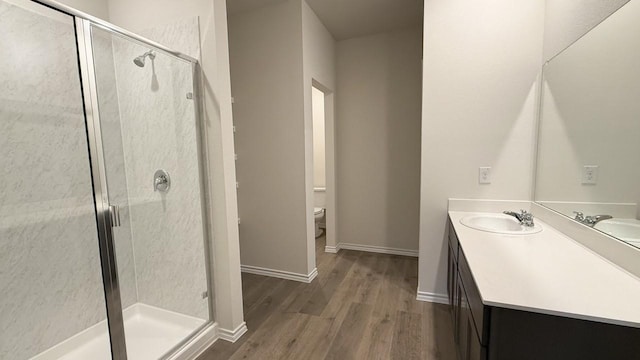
[149, 331]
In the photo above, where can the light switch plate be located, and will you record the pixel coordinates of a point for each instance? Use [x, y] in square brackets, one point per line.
[590, 174]
[484, 175]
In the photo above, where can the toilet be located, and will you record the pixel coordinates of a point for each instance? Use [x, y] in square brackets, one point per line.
[318, 214]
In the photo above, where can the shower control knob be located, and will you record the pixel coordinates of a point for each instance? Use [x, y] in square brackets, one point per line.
[161, 181]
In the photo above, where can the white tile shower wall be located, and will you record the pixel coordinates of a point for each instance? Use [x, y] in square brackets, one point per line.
[159, 132]
[49, 259]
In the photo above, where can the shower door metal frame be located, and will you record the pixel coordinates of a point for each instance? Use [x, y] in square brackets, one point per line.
[115, 319]
[83, 23]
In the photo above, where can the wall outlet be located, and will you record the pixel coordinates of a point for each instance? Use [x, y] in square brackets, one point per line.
[484, 175]
[590, 174]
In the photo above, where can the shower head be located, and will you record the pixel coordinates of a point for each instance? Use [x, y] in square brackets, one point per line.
[140, 59]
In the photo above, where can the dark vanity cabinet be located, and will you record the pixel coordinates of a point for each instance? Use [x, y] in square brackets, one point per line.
[464, 300]
[495, 333]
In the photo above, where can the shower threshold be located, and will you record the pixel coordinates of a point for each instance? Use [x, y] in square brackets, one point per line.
[149, 332]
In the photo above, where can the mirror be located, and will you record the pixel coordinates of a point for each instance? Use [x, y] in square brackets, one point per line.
[588, 164]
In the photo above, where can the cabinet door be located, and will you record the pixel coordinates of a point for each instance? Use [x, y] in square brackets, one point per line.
[456, 311]
[476, 351]
[468, 343]
[451, 277]
[461, 319]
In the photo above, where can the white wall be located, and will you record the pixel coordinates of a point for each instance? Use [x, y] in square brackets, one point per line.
[590, 116]
[317, 105]
[267, 80]
[479, 83]
[138, 15]
[567, 20]
[378, 139]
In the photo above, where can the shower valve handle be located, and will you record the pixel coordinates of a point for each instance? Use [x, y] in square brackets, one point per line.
[161, 181]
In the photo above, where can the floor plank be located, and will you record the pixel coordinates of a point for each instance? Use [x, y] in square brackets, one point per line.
[361, 306]
[323, 293]
[347, 341]
[437, 332]
[406, 336]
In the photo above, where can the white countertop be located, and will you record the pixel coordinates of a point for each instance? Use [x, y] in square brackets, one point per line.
[548, 273]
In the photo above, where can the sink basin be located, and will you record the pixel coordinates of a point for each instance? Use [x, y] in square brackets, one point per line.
[623, 229]
[498, 223]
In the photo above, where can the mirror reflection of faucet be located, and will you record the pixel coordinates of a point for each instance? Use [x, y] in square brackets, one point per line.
[590, 220]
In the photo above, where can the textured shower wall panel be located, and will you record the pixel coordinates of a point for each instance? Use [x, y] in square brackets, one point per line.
[159, 132]
[114, 161]
[182, 35]
[50, 279]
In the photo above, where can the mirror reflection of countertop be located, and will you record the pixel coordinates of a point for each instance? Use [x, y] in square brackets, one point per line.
[627, 230]
[548, 273]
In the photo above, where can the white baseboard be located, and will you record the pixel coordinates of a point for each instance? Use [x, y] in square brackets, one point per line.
[199, 344]
[331, 249]
[432, 297]
[232, 335]
[312, 275]
[280, 273]
[376, 249]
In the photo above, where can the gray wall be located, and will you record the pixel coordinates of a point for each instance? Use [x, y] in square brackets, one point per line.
[267, 85]
[378, 139]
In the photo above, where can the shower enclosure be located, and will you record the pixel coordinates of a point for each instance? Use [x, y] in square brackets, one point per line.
[104, 247]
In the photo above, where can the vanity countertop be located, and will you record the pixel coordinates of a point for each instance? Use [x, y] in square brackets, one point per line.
[548, 273]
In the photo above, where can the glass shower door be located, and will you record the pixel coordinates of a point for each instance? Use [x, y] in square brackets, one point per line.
[150, 146]
[52, 301]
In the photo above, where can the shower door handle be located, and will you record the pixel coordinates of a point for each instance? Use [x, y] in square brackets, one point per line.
[114, 213]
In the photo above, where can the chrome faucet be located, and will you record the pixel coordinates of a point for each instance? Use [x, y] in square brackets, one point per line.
[590, 220]
[524, 217]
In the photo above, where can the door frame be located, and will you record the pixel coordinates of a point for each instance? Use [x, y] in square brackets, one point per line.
[330, 170]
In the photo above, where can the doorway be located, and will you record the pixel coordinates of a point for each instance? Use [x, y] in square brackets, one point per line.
[323, 204]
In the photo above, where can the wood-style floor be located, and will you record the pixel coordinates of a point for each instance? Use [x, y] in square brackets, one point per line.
[361, 306]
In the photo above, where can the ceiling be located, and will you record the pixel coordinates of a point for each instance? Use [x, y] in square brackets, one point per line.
[352, 18]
